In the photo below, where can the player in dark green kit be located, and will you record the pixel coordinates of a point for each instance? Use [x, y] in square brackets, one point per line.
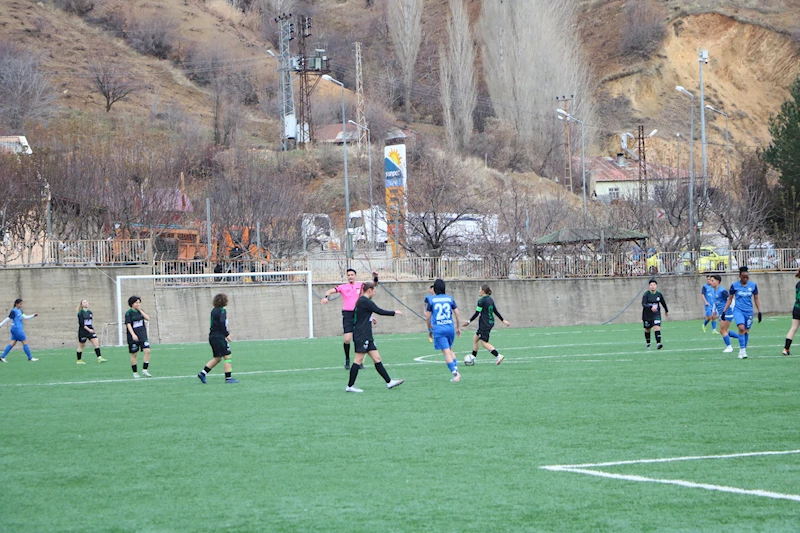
[652, 302]
[486, 310]
[362, 338]
[219, 338]
[137, 335]
[86, 332]
[795, 318]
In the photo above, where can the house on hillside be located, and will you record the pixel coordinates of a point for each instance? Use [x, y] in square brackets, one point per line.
[615, 179]
[332, 133]
[15, 143]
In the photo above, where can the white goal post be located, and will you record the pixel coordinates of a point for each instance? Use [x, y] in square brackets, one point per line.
[227, 277]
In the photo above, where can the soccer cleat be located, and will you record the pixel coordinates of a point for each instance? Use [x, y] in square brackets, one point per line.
[659, 346]
[80, 362]
[704, 328]
[32, 359]
[499, 359]
[786, 352]
[742, 354]
[456, 378]
[201, 377]
[353, 389]
[146, 374]
[135, 375]
[101, 360]
[347, 364]
[2, 359]
[728, 349]
[394, 383]
[648, 345]
[231, 380]
[715, 332]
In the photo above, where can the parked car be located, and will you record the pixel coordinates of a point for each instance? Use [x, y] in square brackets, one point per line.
[708, 260]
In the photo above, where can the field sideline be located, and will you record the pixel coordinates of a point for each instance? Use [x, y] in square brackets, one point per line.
[580, 429]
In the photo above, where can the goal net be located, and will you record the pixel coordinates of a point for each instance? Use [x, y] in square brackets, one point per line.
[261, 305]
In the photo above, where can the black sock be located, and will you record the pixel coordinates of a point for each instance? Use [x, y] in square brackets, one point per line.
[97, 352]
[206, 370]
[79, 355]
[786, 345]
[658, 337]
[135, 368]
[347, 351]
[647, 336]
[382, 371]
[353, 375]
[145, 365]
[474, 353]
[494, 353]
[227, 375]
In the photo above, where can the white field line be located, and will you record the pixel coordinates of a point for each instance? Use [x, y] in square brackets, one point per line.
[587, 469]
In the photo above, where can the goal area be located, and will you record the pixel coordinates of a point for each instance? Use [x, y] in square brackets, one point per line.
[261, 305]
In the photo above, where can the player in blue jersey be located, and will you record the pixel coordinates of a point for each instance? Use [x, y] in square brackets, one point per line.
[445, 322]
[707, 294]
[719, 299]
[16, 316]
[425, 312]
[744, 293]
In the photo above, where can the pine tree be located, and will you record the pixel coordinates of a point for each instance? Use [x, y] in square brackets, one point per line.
[783, 154]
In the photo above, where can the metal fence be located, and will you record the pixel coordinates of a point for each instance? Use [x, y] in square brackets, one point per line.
[117, 251]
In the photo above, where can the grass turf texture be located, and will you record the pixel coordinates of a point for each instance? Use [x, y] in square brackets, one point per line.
[87, 448]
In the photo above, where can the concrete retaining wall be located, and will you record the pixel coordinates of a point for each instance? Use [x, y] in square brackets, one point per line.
[180, 314]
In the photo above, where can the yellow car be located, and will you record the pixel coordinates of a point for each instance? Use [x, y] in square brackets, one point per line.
[708, 260]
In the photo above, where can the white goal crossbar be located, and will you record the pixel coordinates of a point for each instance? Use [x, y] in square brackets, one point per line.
[120, 279]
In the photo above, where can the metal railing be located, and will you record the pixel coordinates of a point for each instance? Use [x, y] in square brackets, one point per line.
[117, 251]
[556, 266]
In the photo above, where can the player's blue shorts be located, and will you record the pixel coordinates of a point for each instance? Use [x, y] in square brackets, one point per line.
[443, 338]
[741, 318]
[709, 310]
[18, 335]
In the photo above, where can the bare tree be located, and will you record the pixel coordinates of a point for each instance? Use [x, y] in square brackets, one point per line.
[531, 54]
[645, 28]
[457, 77]
[405, 31]
[111, 81]
[25, 91]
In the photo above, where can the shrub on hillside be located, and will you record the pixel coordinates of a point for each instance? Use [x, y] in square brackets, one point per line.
[644, 30]
[78, 7]
[152, 35]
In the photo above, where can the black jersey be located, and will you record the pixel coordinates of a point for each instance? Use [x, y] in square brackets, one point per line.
[362, 323]
[486, 310]
[136, 320]
[648, 301]
[84, 321]
[219, 323]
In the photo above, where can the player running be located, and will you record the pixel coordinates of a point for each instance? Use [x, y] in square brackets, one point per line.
[719, 299]
[365, 344]
[137, 335]
[707, 294]
[16, 316]
[486, 310]
[795, 317]
[652, 302]
[219, 338]
[440, 311]
[86, 332]
[743, 292]
[350, 292]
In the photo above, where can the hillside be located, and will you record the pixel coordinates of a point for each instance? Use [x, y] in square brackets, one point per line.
[754, 48]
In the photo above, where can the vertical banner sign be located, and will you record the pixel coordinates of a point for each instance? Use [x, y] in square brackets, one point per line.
[395, 172]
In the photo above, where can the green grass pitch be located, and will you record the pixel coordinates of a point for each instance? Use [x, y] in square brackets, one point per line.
[87, 448]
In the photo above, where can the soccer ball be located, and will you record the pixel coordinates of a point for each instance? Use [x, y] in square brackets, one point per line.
[469, 359]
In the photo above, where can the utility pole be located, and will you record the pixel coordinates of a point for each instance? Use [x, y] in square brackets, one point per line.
[361, 114]
[288, 116]
[643, 192]
[702, 58]
[305, 67]
[564, 101]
